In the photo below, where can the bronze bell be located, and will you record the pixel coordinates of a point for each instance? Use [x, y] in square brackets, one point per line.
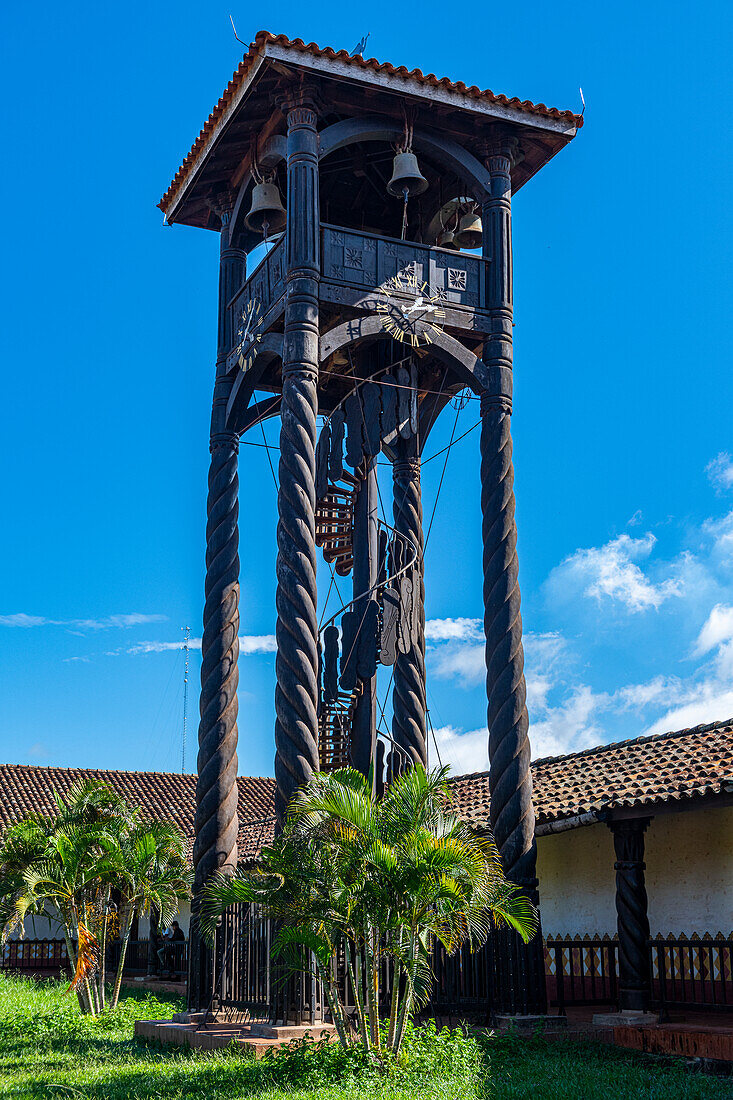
[266, 210]
[407, 179]
[470, 231]
[447, 239]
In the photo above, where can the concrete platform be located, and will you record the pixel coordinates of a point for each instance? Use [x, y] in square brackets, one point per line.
[219, 1034]
[624, 1019]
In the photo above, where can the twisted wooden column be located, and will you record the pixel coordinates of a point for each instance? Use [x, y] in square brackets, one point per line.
[631, 911]
[296, 666]
[216, 823]
[510, 779]
[408, 696]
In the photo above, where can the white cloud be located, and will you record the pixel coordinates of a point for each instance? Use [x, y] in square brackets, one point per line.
[657, 691]
[248, 644]
[21, 619]
[720, 472]
[463, 752]
[718, 628]
[110, 622]
[611, 572]
[571, 726]
[711, 703]
[453, 630]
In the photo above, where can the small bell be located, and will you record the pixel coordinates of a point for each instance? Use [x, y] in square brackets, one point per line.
[407, 179]
[470, 231]
[267, 211]
[447, 239]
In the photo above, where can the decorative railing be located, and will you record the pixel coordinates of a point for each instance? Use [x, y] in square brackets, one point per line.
[365, 261]
[581, 971]
[695, 972]
[353, 261]
[44, 956]
[265, 286]
[34, 956]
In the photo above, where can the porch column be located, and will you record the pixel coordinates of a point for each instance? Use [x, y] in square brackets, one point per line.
[408, 697]
[217, 824]
[631, 910]
[296, 666]
[510, 779]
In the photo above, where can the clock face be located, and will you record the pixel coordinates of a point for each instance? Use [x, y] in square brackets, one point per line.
[249, 334]
[410, 310]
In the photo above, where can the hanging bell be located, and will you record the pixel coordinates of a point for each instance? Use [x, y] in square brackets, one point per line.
[266, 210]
[407, 179]
[470, 231]
[447, 239]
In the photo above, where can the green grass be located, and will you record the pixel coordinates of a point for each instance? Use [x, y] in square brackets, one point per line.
[48, 1050]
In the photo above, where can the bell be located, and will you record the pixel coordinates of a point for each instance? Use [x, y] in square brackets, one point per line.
[406, 177]
[447, 239]
[470, 231]
[266, 209]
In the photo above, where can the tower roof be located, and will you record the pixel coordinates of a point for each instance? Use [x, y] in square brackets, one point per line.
[216, 157]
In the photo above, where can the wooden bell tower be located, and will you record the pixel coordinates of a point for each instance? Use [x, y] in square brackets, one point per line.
[372, 309]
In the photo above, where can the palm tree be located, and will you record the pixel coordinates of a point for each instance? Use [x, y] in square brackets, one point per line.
[148, 862]
[382, 880]
[66, 867]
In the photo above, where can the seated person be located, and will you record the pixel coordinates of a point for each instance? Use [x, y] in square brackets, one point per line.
[166, 953]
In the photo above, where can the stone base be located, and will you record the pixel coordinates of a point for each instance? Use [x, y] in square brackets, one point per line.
[286, 1032]
[184, 1030]
[627, 1018]
[527, 1025]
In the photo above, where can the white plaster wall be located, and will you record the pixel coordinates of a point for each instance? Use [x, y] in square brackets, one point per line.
[183, 918]
[689, 872]
[689, 876]
[577, 882]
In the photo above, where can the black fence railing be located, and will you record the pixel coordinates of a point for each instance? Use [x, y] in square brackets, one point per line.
[692, 973]
[46, 957]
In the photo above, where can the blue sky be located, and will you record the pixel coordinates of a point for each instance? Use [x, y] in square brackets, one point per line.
[623, 387]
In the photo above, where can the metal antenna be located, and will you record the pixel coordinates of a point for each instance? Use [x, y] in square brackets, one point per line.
[235, 31]
[186, 646]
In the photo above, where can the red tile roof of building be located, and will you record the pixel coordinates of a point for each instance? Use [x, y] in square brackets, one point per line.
[160, 795]
[261, 40]
[644, 772]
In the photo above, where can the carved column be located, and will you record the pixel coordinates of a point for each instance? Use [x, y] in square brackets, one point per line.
[217, 825]
[366, 536]
[631, 910]
[408, 697]
[510, 780]
[296, 696]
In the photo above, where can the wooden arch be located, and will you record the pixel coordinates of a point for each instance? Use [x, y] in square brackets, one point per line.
[471, 370]
[445, 152]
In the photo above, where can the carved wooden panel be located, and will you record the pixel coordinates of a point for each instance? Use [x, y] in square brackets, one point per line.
[366, 261]
[266, 284]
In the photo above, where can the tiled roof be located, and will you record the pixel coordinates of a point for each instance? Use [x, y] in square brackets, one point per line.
[160, 795]
[645, 772]
[297, 45]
